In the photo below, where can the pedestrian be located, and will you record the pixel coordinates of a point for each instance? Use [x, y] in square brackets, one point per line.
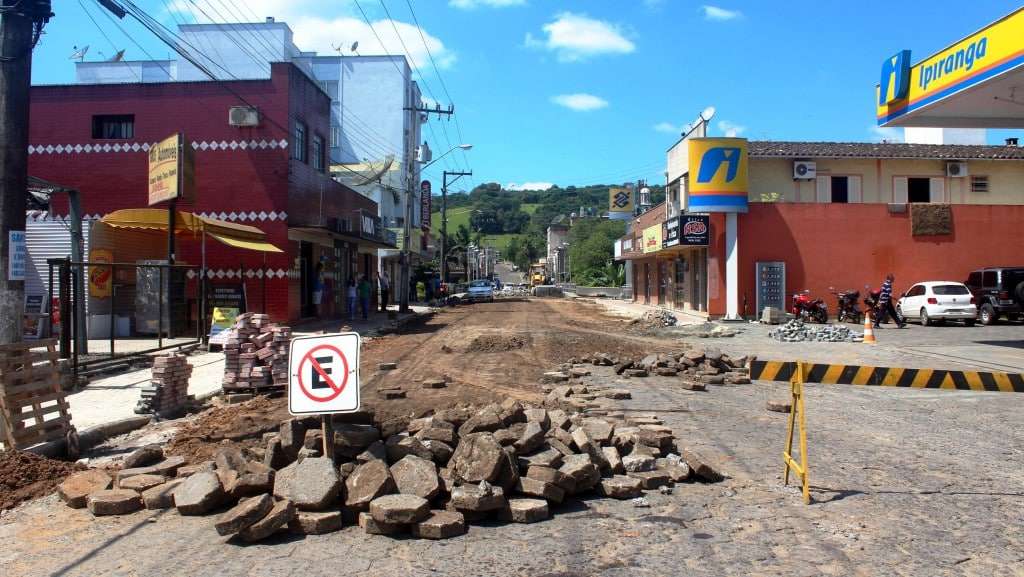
[384, 283]
[364, 296]
[886, 306]
[318, 289]
[421, 291]
[351, 294]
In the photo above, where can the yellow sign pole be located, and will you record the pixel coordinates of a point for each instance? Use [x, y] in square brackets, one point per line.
[797, 408]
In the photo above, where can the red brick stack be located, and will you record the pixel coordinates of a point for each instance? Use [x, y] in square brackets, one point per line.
[256, 354]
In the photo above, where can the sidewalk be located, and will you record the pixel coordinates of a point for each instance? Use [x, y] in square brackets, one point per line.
[114, 397]
[631, 310]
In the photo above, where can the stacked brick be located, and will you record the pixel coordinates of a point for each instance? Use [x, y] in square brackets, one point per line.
[167, 393]
[256, 354]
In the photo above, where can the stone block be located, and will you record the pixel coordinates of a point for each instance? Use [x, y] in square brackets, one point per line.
[280, 515]
[416, 476]
[651, 479]
[161, 496]
[229, 458]
[315, 522]
[144, 457]
[399, 446]
[477, 458]
[114, 502]
[368, 481]
[76, 489]
[372, 527]
[525, 511]
[399, 509]
[311, 485]
[244, 514]
[440, 525]
[638, 462]
[140, 483]
[611, 454]
[621, 487]
[482, 497]
[541, 489]
[199, 494]
[701, 466]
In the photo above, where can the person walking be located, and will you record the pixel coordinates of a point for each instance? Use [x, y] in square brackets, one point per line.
[886, 306]
[351, 295]
[384, 283]
[364, 296]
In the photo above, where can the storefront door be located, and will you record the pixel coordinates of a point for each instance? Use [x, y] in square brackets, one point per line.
[647, 283]
[682, 290]
[664, 278]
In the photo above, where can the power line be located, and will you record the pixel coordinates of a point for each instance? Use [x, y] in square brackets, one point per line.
[101, 31]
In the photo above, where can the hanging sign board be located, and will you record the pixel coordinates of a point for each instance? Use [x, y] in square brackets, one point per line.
[425, 204]
[718, 175]
[323, 374]
[695, 230]
[171, 170]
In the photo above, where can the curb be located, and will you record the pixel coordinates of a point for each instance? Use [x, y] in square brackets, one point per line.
[89, 438]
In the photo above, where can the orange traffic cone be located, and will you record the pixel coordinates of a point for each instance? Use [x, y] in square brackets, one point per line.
[869, 332]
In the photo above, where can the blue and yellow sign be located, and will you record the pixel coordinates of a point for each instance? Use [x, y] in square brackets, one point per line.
[994, 50]
[718, 175]
[620, 199]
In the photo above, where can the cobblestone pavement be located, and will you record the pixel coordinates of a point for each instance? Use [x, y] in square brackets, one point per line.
[905, 482]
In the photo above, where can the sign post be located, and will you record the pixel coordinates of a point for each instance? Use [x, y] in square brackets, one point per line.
[323, 378]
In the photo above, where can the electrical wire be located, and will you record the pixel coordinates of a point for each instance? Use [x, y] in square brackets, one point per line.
[111, 42]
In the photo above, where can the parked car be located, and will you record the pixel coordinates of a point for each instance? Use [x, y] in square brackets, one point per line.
[481, 290]
[934, 301]
[998, 292]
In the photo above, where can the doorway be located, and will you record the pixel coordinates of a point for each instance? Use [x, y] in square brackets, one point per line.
[306, 279]
[647, 283]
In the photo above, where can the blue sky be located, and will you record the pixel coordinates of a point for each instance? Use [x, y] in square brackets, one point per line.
[582, 92]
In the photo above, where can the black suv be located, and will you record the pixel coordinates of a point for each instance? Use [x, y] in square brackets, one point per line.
[998, 291]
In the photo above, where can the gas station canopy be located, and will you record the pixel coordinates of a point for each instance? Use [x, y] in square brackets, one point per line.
[977, 82]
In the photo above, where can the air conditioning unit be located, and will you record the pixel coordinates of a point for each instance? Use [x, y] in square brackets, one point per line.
[244, 116]
[956, 169]
[804, 170]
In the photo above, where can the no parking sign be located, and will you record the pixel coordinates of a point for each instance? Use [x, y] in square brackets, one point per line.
[323, 374]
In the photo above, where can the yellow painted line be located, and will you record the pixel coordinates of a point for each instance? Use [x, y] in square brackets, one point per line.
[947, 382]
[922, 378]
[974, 381]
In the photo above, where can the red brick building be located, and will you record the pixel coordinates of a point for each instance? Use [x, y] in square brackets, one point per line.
[273, 175]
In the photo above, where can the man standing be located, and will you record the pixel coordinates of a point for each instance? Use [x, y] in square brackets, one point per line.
[384, 282]
[364, 295]
[886, 306]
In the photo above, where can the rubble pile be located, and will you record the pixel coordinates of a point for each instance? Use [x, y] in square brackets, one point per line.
[256, 354]
[696, 368]
[167, 393]
[796, 331]
[657, 319]
[709, 331]
[427, 477]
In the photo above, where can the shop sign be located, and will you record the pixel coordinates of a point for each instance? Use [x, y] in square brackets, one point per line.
[100, 277]
[979, 58]
[652, 239]
[671, 232]
[226, 295]
[17, 255]
[627, 244]
[32, 325]
[695, 230]
[425, 204]
[171, 170]
[718, 175]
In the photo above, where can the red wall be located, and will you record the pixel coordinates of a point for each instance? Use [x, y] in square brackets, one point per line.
[850, 245]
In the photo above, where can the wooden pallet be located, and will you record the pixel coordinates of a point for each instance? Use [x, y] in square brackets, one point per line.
[33, 408]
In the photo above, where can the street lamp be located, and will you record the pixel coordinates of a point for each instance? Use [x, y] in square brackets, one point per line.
[406, 254]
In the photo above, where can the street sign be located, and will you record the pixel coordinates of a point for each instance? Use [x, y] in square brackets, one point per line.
[323, 374]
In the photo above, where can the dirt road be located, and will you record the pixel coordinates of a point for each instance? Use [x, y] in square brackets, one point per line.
[905, 482]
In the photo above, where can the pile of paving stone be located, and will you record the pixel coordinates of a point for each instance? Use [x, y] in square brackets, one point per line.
[658, 318]
[256, 354]
[427, 477]
[796, 331]
[167, 393]
[709, 331]
[695, 367]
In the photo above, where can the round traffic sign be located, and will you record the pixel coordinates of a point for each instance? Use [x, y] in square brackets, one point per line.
[309, 361]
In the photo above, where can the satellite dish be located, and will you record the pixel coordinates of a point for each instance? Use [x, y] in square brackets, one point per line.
[376, 173]
[707, 113]
[354, 46]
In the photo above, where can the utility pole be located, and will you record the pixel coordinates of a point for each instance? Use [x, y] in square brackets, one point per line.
[444, 218]
[21, 23]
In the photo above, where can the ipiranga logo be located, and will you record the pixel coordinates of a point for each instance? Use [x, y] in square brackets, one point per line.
[963, 59]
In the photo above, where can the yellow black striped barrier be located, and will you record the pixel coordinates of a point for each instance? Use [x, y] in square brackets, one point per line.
[889, 377]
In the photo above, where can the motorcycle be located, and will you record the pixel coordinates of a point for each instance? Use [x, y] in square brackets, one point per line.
[871, 301]
[847, 307]
[809, 310]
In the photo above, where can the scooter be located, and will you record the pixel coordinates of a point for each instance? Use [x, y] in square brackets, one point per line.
[871, 301]
[809, 310]
[848, 310]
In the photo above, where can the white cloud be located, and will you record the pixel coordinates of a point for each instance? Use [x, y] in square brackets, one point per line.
[471, 4]
[719, 14]
[325, 34]
[529, 186]
[667, 127]
[731, 128]
[878, 134]
[580, 102]
[575, 37]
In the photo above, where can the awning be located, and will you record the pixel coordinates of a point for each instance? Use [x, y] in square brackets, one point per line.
[229, 233]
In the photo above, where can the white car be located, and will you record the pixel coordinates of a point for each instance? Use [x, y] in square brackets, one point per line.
[934, 301]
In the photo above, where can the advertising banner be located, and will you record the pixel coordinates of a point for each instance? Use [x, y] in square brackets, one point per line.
[425, 204]
[100, 277]
[171, 170]
[652, 239]
[718, 175]
[223, 318]
[17, 255]
[671, 236]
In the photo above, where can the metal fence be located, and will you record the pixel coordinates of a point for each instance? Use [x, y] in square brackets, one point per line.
[133, 309]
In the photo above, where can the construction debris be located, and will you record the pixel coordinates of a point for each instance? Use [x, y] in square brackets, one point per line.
[656, 319]
[511, 462]
[167, 393]
[796, 331]
[256, 354]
